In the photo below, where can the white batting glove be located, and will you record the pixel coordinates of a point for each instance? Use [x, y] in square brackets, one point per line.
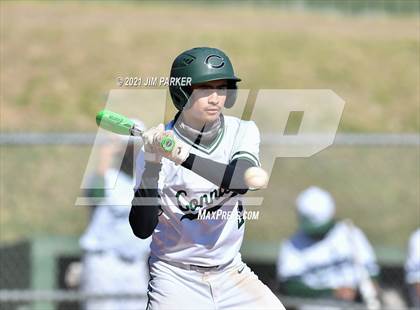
[151, 141]
[153, 150]
[179, 153]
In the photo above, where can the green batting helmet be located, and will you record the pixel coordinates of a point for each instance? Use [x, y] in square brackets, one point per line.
[202, 64]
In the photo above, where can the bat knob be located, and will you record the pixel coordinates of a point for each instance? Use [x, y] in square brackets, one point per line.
[167, 143]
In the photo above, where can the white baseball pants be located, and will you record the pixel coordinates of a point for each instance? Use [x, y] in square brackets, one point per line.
[234, 286]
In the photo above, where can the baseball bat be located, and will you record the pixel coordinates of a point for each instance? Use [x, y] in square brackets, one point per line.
[122, 125]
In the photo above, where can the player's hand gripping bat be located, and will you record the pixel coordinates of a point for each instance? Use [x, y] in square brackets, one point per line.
[122, 125]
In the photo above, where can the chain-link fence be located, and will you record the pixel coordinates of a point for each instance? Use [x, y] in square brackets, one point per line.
[374, 180]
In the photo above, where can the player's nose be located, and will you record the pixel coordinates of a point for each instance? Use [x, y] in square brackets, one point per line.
[214, 97]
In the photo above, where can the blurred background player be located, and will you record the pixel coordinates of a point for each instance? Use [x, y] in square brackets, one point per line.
[318, 260]
[412, 269]
[114, 260]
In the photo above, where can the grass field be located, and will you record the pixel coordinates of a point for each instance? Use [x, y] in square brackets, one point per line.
[59, 60]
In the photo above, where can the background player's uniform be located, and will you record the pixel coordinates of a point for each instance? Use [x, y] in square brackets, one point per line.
[412, 267]
[114, 261]
[326, 263]
[201, 256]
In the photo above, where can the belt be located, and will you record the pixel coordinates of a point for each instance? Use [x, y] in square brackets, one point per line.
[195, 267]
[202, 268]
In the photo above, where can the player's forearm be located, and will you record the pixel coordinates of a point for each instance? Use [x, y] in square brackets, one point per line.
[229, 176]
[144, 211]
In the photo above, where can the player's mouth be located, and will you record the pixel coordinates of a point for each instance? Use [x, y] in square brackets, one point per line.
[212, 111]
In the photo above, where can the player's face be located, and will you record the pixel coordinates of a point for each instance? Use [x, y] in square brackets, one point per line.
[207, 102]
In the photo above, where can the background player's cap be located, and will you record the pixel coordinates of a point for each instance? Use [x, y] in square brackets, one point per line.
[315, 207]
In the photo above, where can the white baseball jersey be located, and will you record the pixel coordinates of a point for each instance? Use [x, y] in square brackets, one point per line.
[181, 236]
[412, 265]
[328, 263]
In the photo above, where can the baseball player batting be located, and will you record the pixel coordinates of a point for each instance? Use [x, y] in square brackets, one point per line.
[195, 263]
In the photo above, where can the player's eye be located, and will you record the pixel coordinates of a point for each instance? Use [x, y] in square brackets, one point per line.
[222, 90]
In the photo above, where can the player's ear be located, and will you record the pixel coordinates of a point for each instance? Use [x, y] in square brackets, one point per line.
[189, 91]
[231, 94]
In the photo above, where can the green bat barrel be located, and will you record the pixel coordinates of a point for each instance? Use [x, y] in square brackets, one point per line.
[114, 122]
[122, 125]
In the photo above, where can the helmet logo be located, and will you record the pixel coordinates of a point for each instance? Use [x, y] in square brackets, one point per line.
[214, 61]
